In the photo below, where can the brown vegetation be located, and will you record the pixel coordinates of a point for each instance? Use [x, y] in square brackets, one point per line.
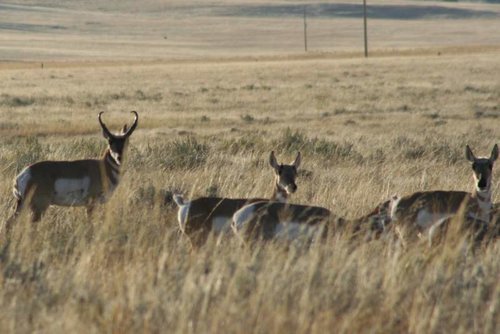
[366, 129]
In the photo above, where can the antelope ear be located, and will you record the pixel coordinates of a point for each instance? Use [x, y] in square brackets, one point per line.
[468, 154]
[272, 161]
[494, 153]
[297, 161]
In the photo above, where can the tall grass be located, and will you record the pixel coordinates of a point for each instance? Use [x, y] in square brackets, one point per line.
[127, 269]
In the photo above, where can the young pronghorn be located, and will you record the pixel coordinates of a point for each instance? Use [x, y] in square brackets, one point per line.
[290, 221]
[72, 183]
[423, 212]
[198, 217]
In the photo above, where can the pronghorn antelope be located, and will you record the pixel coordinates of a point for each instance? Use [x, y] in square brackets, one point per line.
[198, 217]
[372, 224]
[72, 183]
[494, 227]
[480, 231]
[424, 211]
[268, 220]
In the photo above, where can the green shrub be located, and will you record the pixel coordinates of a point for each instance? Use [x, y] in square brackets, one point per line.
[184, 153]
[15, 101]
[294, 141]
[246, 143]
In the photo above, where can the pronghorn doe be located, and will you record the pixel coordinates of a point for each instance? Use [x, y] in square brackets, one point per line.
[198, 217]
[265, 220]
[71, 183]
[425, 213]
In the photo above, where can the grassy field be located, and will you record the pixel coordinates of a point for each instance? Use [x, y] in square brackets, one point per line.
[367, 129]
[44, 30]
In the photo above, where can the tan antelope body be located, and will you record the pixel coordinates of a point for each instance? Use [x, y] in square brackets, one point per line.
[479, 230]
[268, 220]
[423, 211]
[373, 224]
[494, 227]
[198, 217]
[271, 220]
[71, 183]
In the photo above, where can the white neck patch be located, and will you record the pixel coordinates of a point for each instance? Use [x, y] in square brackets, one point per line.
[115, 157]
[280, 197]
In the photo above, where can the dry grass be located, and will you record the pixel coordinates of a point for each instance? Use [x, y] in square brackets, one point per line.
[366, 128]
[44, 30]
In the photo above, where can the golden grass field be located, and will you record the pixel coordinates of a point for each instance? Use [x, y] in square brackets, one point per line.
[367, 128]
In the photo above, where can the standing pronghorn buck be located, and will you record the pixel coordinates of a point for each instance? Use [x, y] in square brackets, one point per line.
[198, 217]
[423, 212]
[72, 183]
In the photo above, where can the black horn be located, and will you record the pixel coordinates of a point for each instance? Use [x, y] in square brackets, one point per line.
[132, 128]
[105, 130]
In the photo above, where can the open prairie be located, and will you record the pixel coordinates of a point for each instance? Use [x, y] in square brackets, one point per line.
[209, 115]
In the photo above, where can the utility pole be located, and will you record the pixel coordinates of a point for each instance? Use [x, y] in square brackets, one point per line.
[365, 28]
[305, 29]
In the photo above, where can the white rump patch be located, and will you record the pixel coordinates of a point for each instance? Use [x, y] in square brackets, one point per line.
[221, 224]
[71, 192]
[393, 206]
[182, 214]
[290, 231]
[22, 183]
[242, 216]
[178, 199]
[426, 219]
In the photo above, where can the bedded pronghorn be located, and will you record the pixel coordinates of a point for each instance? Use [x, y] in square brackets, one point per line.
[72, 183]
[198, 217]
[424, 212]
[271, 220]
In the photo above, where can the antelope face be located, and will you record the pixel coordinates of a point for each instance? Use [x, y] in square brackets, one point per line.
[285, 174]
[117, 147]
[118, 143]
[482, 168]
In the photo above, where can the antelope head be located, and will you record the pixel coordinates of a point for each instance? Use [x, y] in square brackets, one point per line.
[285, 175]
[482, 168]
[117, 143]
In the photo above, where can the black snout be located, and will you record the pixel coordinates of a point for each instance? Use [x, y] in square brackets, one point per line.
[292, 187]
[482, 183]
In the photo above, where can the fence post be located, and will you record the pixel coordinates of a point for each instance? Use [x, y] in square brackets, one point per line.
[365, 28]
[305, 29]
